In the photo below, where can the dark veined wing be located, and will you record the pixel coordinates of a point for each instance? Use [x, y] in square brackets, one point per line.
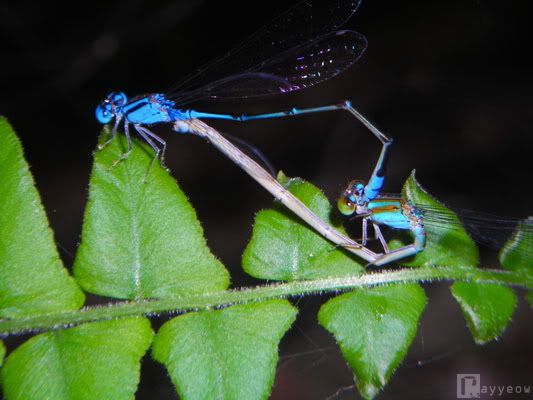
[300, 25]
[487, 229]
[297, 68]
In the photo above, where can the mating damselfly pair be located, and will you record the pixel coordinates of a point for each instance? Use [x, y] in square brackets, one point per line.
[297, 50]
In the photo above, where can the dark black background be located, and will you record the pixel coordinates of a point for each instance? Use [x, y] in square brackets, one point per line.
[449, 80]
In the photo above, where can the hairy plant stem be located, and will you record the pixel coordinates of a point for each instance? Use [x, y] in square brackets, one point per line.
[65, 319]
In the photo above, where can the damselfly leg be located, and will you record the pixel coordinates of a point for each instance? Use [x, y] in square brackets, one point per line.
[112, 134]
[129, 145]
[148, 135]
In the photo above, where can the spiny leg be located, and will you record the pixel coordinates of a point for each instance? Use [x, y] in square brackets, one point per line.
[145, 134]
[379, 235]
[364, 226]
[152, 135]
[364, 237]
[112, 135]
[129, 145]
[364, 231]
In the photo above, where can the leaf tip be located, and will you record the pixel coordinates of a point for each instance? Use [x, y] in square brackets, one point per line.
[368, 390]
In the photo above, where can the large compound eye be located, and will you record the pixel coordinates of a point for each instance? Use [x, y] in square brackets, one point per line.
[356, 186]
[345, 206]
[103, 114]
[118, 99]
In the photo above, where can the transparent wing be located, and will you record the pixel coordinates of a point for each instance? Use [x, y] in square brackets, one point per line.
[301, 24]
[491, 230]
[297, 68]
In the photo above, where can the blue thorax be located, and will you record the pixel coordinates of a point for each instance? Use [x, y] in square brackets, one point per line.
[146, 110]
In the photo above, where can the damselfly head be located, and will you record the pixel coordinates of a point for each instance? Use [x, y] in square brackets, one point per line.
[110, 106]
[352, 198]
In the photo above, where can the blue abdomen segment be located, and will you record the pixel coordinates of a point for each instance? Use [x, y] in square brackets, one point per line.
[152, 109]
[374, 186]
